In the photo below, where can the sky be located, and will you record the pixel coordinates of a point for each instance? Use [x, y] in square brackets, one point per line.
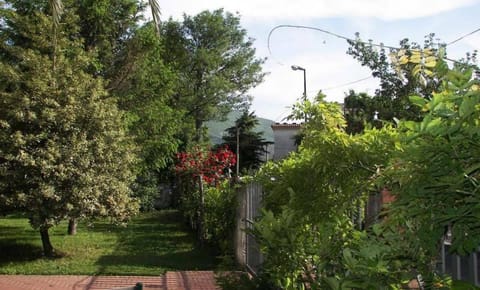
[328, 67]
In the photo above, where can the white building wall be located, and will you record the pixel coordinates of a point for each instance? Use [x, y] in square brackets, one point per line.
[284, 138]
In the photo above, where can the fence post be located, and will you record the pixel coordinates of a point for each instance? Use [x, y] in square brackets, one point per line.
[240, 234]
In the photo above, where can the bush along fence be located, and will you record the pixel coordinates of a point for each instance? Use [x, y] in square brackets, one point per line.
[207, 196]
[313, 231]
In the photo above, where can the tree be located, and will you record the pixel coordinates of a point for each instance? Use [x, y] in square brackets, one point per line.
[396, 83]
[144, 93]
[399, 79]
[215, 62]
[155, 7]
[313, 199]
[362, 111]
[436, 177]
[358, 110]
[63, 150]
[251, 144]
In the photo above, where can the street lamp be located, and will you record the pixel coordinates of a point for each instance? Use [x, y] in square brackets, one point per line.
[296, 67]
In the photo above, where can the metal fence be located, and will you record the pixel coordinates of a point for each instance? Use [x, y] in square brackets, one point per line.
[250, 196]
[466, 268]
[247, 249]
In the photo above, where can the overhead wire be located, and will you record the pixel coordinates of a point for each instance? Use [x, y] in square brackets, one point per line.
[329, 33]
[370, 43]
[347, 84]
[463, 37]
[382, 45]
[281, 117]
[323, 31]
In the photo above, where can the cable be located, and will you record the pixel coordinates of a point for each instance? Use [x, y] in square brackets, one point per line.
[381, 45]
[280, 117]
[463, 36]
[347, 84]
[323, 31]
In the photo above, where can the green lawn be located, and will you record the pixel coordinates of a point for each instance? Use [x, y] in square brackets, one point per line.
[151, 244]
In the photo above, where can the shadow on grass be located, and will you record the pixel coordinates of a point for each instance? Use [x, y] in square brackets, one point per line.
[15, 245]
[157, 241]
[151, 244]
[23, 252]
[18, 252]
[190, 260]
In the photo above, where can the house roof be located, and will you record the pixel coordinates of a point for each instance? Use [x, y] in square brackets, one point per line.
[277, 126]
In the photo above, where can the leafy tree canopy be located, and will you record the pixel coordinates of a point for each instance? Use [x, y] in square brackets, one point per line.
[399, 79]
[215, 62]
[63, 148]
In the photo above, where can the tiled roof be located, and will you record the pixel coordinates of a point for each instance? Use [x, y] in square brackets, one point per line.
[286, 125]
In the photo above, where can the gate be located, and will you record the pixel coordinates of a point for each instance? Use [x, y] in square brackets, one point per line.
[247, 249]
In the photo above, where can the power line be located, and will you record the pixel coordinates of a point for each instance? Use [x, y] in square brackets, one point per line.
[463, 36]
[370, 43]
[280, 117]
[347, 84]
[326, 32]
[381, 45]
[329, 33]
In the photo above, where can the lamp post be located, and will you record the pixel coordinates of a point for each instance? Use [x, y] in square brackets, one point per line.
[296, 67]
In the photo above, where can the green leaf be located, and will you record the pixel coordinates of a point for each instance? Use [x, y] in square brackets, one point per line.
[430, 61]
[467, 107]
[332, 282]
[418, 101]
[434, 126]
[349, 260]
[377, 229]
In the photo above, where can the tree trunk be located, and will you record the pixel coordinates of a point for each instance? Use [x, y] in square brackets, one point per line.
[198, 130]
[47, 246]
[201, 225]
[72, 227]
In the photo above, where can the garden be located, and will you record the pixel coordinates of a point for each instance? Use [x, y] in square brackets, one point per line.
[100, 110]
[151, 244]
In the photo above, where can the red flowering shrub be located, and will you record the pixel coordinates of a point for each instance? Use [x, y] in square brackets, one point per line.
[209, 209]
[210, 165]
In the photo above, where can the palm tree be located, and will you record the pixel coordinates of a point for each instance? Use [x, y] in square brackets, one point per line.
[56, 6]
[155, 7]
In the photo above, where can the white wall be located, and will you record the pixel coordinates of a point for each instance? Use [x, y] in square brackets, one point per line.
[284, 138]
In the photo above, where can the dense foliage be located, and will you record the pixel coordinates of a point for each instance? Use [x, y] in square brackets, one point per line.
[438, 170]
[313, 231]
[315, 197]
[215, 62]
[64, 152]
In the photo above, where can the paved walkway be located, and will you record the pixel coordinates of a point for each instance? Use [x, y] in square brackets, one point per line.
[184, 280]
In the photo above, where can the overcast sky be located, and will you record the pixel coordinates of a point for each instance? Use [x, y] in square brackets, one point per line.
[328, 67]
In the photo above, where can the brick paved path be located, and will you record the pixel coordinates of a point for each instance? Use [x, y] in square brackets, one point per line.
[185, 280]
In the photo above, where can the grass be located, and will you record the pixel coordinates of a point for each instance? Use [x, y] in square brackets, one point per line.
[151, 244]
